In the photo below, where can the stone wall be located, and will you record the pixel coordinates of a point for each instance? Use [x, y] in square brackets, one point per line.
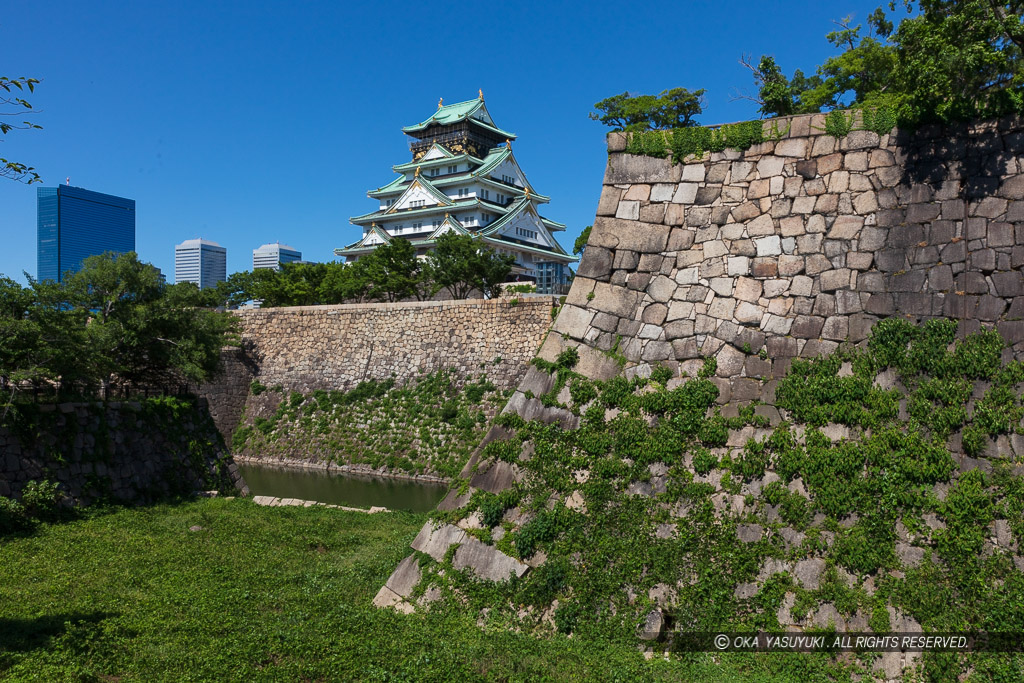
[755, 258]
[336, 347]
[134, 451]
[796, 245]
[226, 395]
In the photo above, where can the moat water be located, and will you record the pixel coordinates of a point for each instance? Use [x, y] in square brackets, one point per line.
[342, 488]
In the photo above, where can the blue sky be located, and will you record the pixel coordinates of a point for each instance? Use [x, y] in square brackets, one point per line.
[256, 121]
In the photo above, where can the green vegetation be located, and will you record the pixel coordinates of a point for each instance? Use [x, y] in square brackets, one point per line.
[458, 264]
[112, 323]
[581, 242]
[259, 594]
[14, 170]
[952, 61]
[642, 499]
[429, 425]
[40, 501]
[949, 62]
[673, 108]
[680, 143]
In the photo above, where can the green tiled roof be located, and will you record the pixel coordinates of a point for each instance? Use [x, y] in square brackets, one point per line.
[457, 205]
[440, 161]
[454, 113]
[554, 226]
[393, 185]
[559, 255]
[517, 207]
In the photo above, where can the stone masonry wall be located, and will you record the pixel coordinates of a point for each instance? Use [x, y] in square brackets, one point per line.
[796, 245]
[754, 258]
[336, 347]
[226, 395]
[129, 452]
[303, 348]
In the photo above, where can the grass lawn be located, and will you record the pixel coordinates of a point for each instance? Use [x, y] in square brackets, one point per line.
[131, 594]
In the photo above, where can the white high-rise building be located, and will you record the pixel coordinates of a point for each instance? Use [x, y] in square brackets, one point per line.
[274, 255]
[200, 261]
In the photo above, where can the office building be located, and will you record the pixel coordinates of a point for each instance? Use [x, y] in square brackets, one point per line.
[73, 223]
[274, 256]
[200, 261]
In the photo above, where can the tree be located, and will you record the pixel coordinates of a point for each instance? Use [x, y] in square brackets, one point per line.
[955, 60]
[142, 331]
[22, 352]
[462, 263]
[395, 273]
[960, 60]
[675, 108]
[344, 282]
[581, 242]
[12, 104]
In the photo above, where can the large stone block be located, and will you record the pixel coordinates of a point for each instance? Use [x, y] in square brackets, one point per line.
[435, 541]
[628, 168]
[793, 147]
[486, 561]
[573, 321]
[609, 202]
[596, 263]
[628, 209]
[405, 577]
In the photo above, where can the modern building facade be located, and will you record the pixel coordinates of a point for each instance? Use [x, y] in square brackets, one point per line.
[464, 178]
[200, 261]
[274, 256]
[73, 223]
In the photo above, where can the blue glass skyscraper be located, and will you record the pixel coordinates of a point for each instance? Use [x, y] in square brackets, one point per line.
[73, 223]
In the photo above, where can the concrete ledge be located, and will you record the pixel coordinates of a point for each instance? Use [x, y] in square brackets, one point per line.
[271, 501]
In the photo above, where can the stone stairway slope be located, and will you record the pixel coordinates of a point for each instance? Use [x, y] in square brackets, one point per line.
[755, 258]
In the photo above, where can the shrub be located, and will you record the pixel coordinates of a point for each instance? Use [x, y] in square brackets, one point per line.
[12, 516]
[41, 499]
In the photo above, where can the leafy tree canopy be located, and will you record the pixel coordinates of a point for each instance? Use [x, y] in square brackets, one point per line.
[14, 106]
[460, 264]
[675, 108]
[112, 322]
[581, 242]
[951, 61]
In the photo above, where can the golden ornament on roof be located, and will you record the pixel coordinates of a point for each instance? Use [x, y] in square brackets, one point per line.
[481, 91]
[440, 102]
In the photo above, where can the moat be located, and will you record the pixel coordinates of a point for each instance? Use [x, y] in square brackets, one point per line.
[342, 488]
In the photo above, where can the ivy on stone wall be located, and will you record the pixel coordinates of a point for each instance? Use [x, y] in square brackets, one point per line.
[426, 426]
[693, 142]
[853, 514]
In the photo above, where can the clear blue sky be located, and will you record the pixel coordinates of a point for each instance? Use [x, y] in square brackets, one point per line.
[256, 121]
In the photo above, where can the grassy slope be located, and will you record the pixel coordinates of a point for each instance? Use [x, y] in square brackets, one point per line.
[131, 594]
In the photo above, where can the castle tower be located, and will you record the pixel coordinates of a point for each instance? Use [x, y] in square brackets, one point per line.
[464, 178]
